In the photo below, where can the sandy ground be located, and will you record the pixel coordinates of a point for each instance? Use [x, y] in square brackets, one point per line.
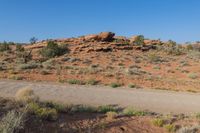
[152, 100]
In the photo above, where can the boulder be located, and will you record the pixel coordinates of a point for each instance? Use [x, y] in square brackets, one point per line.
[121, 38]
[148, 42]
[91, 37]
[103, 36]
[106, 36]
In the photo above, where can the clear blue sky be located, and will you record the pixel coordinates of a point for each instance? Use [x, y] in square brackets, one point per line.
[178, 20]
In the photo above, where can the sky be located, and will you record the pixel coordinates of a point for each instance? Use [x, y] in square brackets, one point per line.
[178, 20]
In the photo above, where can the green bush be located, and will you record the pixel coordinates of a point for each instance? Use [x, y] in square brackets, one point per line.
[154, 58]
[59, 107]
[53, 49]
[139, 40]
[193, 75]
[170, 128]
[132, 86]
[106, 108]
[132, 112]
[158, 122]
[43, 112]
[76, 81]
[47, 113]
[115, 85]
[198, 115]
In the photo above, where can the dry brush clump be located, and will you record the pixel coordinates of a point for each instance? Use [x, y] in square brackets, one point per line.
[26, 95]
[12, 122]
[111, 115]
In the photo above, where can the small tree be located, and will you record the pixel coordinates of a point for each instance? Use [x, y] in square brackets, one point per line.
[33, 40]
[53, 49]
[139, 40]
[171, 43]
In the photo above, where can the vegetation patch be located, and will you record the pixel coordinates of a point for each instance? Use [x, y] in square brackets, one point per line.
[11, 122]
[133, 112]
[115, 85]
[158, 122]
[76, 81]
[53, 49]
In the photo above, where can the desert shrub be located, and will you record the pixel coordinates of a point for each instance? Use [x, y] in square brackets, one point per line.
[195, 55]
[171, 43]
[106, 108]
[115, 85]
[196, 46]
[26, 95]
[49, 64]
[24, 56]
[158, 122]
[154, 58]
[20, 48]
[83, 108]
[172, 49]
[59, 107]
[47, 113]
[33, 107]
[175, 51]
[53, 49]
[170, 127]
[1, 67]
[30, 65]
[157, 67]
[132, 112]
[189, 47]
[92, 82]
[12, 122]
[193, 75]
[111, 115]
[184, 63]
[192, 129]
[135, 71]
[16, 77]
[197, 115]
[76, 81]
[139, 40]
[132, 86]
[42, 112]
[4, 47]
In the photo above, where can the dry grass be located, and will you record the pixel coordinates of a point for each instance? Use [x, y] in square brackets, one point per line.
[12, 122]
[111, 115]
[26, 95]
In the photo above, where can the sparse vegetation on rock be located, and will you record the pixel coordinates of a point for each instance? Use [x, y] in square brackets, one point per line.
[53, 49]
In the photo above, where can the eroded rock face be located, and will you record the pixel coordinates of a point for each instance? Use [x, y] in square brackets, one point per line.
[152, 42]
[102, 42]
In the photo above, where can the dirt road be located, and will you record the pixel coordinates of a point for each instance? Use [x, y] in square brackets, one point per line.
[153, 100]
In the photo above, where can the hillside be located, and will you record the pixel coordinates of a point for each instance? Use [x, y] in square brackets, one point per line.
[105, 59]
